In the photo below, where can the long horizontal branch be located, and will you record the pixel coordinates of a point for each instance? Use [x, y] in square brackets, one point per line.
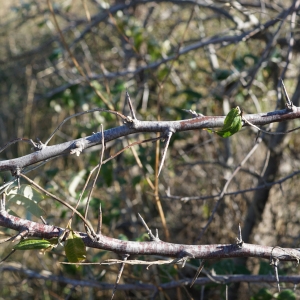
[223, 279]
[156, 247]
[136, 126]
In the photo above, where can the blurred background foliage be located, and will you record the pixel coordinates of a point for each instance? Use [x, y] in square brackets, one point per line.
[170, 56]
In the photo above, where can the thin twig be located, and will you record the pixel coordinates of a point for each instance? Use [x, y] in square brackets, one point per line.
[86, 222]
[7, 256]
[125, 256]
[198, 272]
[156, 193]
[97, 174]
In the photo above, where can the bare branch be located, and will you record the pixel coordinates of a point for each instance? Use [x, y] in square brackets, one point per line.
[153, 248]
[125, 256]
[136, 126]
[47, 275]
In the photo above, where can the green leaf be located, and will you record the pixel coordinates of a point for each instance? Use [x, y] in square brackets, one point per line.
[27, 197]
[31, 244]
[232, 123]
[28, 192]
[262, 294]
[75, 248]
[286, 295]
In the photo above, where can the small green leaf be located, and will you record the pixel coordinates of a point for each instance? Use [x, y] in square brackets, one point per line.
[75, 248]
[232, 123]
[31, 244]
[26, 196]
[28, 192]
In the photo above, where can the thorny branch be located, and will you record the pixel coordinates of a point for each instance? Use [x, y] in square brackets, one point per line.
[132, 126]
[153, 247]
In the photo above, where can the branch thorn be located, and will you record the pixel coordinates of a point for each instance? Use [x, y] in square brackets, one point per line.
[99, 226]
[168, 136]
[43, 220]
[275, 262]
[151, 235]
[239, 239]
[130, 106]
[289, 104]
